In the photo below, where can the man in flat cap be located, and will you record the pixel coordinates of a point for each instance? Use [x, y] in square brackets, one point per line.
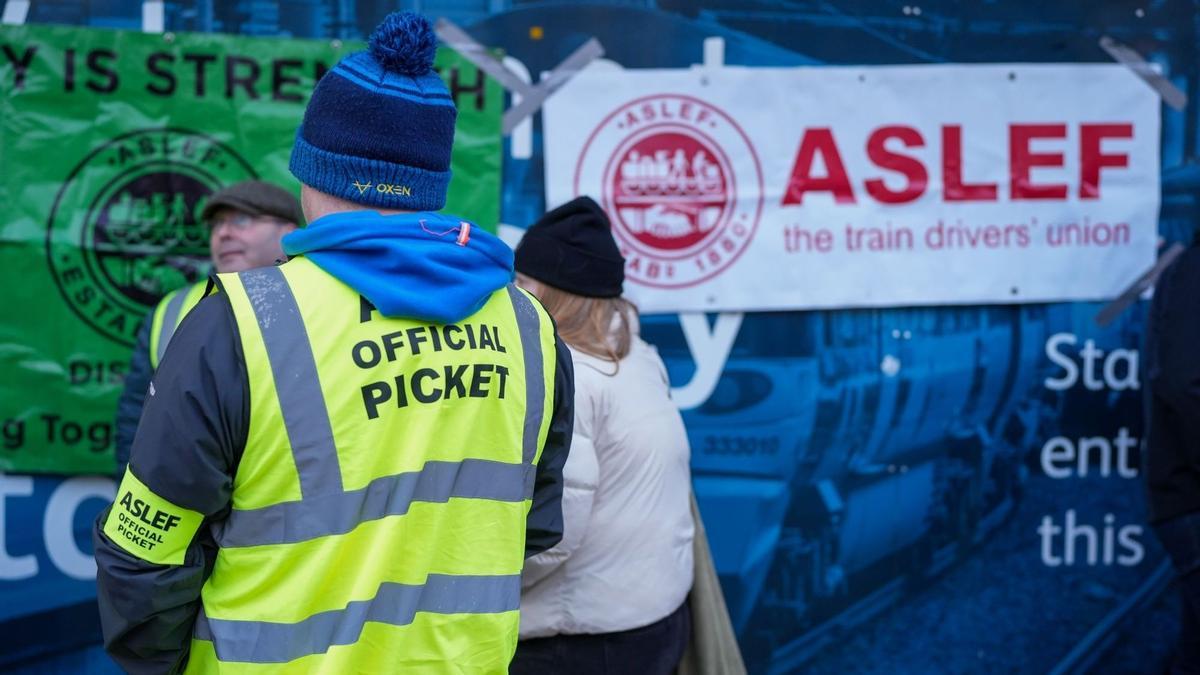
[247, 221]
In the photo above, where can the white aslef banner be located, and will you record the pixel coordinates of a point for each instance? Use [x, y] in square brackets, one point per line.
[794, 188]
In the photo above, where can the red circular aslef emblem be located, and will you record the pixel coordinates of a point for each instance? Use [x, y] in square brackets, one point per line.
[682, 185]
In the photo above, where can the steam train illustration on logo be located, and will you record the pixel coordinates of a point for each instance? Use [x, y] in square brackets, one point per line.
[681, 182]
[667, 194]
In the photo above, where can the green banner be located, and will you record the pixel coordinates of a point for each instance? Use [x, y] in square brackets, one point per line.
[110, 143]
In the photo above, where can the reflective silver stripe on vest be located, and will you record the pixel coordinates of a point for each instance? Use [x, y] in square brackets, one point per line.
[296, 383]
[529, 326]
[394, 604]
[170, 320]
[333, 514]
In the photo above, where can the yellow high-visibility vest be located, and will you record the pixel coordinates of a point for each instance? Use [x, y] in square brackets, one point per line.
[379, 508]
[169, 314]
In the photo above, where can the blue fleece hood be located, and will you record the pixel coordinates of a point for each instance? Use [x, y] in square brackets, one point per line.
[409, 265]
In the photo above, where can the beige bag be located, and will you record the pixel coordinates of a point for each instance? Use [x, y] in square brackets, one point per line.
[713, 649]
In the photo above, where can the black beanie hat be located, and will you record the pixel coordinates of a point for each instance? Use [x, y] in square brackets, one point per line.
[572, 248]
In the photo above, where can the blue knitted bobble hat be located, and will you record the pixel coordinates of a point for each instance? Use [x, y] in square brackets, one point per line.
[379, 126]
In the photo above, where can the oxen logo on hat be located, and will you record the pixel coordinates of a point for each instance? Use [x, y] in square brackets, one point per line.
[125, 228]
[682, 184]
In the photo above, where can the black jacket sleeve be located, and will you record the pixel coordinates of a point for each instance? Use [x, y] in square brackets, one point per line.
[1171, 378]
[544, 526]
[185, 451]
[1173, 337]
[133, 395]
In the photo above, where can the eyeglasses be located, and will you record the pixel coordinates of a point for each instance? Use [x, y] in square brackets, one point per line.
[239, 220]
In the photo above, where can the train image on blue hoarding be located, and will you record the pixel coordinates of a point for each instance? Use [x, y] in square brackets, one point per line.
[842, 451]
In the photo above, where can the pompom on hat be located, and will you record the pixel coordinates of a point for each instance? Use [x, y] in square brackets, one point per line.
[380, 125]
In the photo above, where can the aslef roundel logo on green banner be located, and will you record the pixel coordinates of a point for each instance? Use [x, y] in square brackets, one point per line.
[125, 227]
[111, 144]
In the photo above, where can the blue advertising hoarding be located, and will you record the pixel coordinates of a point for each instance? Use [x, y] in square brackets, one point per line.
[910, 489]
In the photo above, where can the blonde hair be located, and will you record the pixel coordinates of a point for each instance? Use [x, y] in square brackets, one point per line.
[587, 324]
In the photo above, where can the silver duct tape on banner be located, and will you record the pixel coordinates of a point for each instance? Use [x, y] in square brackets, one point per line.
[15, 12]
[153, 16]
[577, 61]
[458, 40]
[1112, 310]
[532, 96]
[1126, 56]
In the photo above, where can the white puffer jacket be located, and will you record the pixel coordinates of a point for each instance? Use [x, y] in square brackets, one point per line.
[625, 559]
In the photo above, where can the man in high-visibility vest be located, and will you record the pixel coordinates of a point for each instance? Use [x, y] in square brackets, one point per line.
[345, 459]
[247, 222]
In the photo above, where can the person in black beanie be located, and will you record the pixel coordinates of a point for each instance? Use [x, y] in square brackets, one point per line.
[572, 248]
[611, 597]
